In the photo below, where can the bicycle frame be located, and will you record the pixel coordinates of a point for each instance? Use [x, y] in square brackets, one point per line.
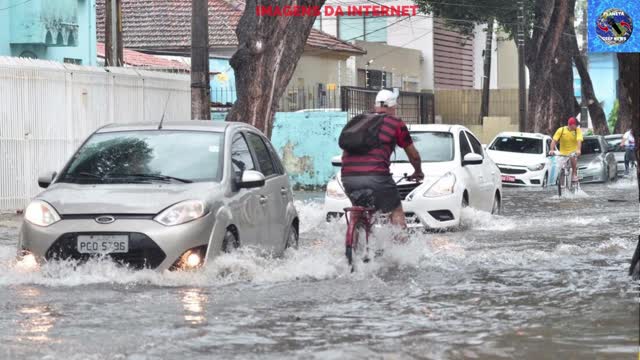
[565, 175]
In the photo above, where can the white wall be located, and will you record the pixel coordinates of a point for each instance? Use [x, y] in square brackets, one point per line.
[47, 109]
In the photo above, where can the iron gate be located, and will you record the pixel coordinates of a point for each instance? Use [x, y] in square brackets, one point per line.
[413, 107]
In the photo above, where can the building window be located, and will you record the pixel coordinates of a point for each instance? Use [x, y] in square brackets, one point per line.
[318, 23]
[72, 61]
[374, 79]
[371, 29]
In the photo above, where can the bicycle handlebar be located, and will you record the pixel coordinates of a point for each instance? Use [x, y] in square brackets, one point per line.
[406, 176]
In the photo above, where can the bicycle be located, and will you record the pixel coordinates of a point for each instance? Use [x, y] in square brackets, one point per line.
[565, 177]
[360, 221]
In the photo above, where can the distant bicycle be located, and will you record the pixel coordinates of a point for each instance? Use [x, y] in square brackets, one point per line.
[565, 174]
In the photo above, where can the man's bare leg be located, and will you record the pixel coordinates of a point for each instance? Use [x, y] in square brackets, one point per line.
[574, 168]
[398, 219]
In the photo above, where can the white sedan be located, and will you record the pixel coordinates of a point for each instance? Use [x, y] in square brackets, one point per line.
[457, 174]
[522, 158]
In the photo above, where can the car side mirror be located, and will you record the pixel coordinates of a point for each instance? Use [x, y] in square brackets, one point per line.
[472, 159]
[251, 179]
[44, 180]
[336, 161]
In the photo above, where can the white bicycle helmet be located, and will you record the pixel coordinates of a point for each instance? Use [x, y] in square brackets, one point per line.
[386, 98]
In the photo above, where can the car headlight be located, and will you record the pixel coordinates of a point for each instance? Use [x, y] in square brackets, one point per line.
[181, 213]
[444, 186]
[596, 163]
[536, 167]
[334, 190]
[41, 213]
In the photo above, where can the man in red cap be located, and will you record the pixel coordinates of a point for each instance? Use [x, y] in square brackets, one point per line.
[570, 139]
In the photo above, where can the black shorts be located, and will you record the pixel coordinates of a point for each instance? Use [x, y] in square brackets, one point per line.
[376, 191]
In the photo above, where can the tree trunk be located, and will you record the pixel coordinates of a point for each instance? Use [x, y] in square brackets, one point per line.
[624, 110]
[596, 113]
[269, 48]
[551, 100]
[629, 68]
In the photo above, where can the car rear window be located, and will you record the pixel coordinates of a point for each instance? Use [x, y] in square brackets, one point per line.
[517, 144]
[138, 156]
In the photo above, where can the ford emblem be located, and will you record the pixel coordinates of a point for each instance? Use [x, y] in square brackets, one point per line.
[105, 219]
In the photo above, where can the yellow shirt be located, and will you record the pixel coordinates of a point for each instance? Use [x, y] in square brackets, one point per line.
[567, 139]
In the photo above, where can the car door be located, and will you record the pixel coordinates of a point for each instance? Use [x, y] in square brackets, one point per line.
[272, 195]
[470, 173]
[248, 215]
[487, 171]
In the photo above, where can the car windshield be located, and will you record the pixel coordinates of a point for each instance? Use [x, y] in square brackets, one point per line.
[615, 142]
[517, 144]
[432, 146]
[147, 156]
[591, 146]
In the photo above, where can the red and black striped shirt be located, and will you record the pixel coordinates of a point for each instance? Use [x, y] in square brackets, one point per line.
[377, 161]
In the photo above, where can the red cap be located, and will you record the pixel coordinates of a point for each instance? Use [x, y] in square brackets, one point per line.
[572, 121]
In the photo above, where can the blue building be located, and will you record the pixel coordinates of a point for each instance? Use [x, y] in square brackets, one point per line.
[58, 30]
[603, 69]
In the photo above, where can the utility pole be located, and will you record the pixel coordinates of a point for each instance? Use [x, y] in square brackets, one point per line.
[522, 91]
[200, 88]
[113, 34]
[484, 107]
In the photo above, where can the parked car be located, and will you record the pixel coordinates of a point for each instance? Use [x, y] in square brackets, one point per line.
[167, 198]
[457, 174]
[614, 142]
[521, 158]
[596, 163]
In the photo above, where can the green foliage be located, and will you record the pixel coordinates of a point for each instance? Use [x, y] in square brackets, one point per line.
[464, 15]
[612, 119]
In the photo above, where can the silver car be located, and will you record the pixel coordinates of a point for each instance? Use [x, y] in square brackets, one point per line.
[167, 198]
[597, 163]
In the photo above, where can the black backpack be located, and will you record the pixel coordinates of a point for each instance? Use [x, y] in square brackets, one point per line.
[360, 135]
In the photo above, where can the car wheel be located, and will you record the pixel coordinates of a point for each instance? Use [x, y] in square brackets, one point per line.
[496, 209]
[230, 241]
[544, 180]
[291, 238]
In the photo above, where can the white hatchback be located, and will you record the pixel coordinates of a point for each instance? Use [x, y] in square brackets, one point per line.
[521, 158]
[457, 174]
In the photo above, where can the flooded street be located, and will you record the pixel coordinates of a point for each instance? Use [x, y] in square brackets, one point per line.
[547, 279]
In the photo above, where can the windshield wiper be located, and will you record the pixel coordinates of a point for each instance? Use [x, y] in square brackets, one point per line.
[156, 177]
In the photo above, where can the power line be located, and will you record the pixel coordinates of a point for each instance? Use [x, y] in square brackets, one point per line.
[14, 5]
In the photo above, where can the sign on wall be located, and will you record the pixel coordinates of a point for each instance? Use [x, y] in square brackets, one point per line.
[611, 25]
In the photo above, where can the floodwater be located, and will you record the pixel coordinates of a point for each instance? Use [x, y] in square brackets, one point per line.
[547, 279]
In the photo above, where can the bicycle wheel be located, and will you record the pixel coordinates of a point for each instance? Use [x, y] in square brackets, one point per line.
[560, 181]
[359, 245]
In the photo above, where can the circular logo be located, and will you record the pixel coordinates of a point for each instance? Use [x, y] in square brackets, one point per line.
[105, 219]
[614, 26]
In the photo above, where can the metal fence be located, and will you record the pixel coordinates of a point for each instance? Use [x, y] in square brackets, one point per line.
[413, 107]
[47, 109]
[293, 98]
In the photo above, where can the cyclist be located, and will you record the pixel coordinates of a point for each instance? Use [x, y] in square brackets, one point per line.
[570, 139]
[628, 143]
[366, 176]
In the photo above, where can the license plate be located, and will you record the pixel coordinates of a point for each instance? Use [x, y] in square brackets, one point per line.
[103, 244]
[506, 178]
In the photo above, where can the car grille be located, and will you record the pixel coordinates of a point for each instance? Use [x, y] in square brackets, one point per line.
[406, 189]
[512, 171]
[143, 252]
[411, 218]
